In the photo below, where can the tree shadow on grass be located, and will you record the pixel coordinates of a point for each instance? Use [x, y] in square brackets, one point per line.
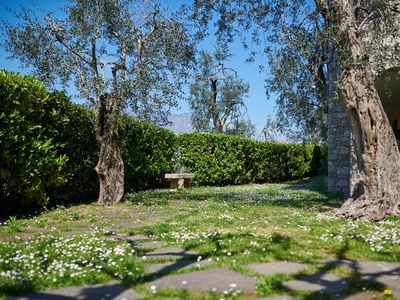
[330, 287]
[302, 194]
[187, 260]
[19, 288]
[323, 285]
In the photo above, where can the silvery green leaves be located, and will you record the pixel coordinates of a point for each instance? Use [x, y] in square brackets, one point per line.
[133, 49]
[123, 56]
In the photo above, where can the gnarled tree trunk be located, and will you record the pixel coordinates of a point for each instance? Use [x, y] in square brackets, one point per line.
[110, 167]
[377, 175]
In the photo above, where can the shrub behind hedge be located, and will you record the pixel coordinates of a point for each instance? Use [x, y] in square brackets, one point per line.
[218, 159]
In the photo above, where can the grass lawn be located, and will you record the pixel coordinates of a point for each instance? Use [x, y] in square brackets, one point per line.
[234, 226]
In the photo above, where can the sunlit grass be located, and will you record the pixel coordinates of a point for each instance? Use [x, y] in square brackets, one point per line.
[234, 226]
[52, 262]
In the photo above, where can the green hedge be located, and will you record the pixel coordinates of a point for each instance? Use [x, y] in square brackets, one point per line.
[218, 159]
[48, 151]
[76, 134]
[30, 160]
[48, 148]
[147, 154]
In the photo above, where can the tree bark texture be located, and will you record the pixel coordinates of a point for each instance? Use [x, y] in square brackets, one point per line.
[377, 174]
[110, 167]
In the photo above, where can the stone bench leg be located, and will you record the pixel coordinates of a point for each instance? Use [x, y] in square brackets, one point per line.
[187, 183]
[180, 183]
[174, 183]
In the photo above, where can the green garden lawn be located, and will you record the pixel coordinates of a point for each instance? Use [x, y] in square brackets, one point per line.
[232, 226]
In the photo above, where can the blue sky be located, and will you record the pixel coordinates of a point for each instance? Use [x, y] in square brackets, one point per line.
[258, 105]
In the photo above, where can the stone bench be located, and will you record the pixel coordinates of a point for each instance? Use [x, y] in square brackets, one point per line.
[180, 180]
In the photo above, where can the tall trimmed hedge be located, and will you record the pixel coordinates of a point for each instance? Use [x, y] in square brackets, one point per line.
[48, 151]
[218, 159]
[77, 136]
[48, 148]
[30, 161]
[147, 153]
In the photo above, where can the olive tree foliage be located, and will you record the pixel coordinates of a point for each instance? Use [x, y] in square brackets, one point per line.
[298, 61]
[217, 97]
[335, 48]
[119, 54]
[270, 130]
[295, 44]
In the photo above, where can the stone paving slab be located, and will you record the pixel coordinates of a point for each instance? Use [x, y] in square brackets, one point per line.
[39, 230]
[277, 267]
[154, 216]
[19, 236]
[68, 234]
[171, 253]
[137, 223]
[86, 292]
[367, 267]
[215, 280]
[131, 238]
[390, 281]
[280, 297]
[385, 273]
[177, 265]
[357, 296]
[152, 244]
[113, 216]
[328, 283]
[131, 224]
[108, 231]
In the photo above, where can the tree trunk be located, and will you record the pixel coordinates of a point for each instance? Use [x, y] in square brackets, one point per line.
[110, 167]
[377, 174]
[214, 109]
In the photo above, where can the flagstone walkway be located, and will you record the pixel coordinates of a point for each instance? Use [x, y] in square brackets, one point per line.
[203, 275]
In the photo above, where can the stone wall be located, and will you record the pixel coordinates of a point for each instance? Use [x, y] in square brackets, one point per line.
[339, 137]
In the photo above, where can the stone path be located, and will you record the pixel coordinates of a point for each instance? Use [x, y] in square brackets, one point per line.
[384, 273]
[357, 296]
[171, 253]
[202, 281]
[19, 236]
[277, 267]
[86, 292]
[327, 283]
[130, 224]
[78, 227]
[177, 265]
[158, 275]
[152, 244]
[131, 238]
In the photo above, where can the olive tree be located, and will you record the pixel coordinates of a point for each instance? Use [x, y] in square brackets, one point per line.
[342, 43]
[366, 30]
[119, 54]
[217, 96]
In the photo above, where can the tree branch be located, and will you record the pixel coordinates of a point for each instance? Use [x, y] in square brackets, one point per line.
[54, 30]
